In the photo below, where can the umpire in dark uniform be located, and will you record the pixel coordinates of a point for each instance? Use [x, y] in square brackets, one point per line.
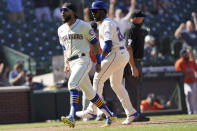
[134, 36]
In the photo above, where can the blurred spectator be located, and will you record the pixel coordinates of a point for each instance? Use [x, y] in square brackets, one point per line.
[15, 9]
[151, 104]
[3, 74]
[31, 84]
[150, 50]
[119, 17]
[17, 75]
[4, 69]
[188, 67]
[42, 10]
[187, 32]
[55, 6]
[56, 14]
[1, 69]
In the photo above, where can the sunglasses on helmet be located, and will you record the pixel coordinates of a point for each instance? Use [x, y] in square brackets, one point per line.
[64, 10]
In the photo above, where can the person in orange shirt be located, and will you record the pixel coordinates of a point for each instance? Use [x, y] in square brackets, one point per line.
[188, 67]
[150, 104]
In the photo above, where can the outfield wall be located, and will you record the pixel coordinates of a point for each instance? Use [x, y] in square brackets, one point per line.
[21, 105]
[14, 104]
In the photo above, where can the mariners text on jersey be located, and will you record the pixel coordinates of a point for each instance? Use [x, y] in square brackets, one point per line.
[75, 39]
[73, 36]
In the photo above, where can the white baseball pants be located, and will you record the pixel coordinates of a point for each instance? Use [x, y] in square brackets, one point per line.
[190, 90]
[79, 77]
[112, 67]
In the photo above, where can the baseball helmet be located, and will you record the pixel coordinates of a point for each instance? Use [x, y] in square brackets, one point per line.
[98, 5]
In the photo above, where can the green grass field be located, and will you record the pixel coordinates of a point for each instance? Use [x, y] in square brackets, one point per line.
[157, 123]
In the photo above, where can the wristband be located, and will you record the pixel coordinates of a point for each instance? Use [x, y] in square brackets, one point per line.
[98, 59]
[102, 57]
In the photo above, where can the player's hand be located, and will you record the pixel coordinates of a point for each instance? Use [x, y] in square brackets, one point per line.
[67, 69]
[112, 1]
[193, 14]
[168, 103]
[133, 2]
[86, 10]
[182, 25]
[135, 72]
[21, 74]
[98, 68]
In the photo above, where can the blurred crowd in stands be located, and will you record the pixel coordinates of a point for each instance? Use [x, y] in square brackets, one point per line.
[45, 10]
[18, 76]
[27, 23]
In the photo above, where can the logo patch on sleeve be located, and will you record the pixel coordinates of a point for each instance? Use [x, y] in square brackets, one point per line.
[107, 34]
[91, 32]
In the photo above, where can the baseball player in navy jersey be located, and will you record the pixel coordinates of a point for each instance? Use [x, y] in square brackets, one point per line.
[75, 36]
[114, 58]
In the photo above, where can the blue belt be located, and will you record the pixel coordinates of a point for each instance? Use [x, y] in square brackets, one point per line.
[76, 57]
[121, 48]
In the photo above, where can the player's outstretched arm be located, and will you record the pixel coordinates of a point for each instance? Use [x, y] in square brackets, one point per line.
[111, 8]
[132, 8]
[177, 33]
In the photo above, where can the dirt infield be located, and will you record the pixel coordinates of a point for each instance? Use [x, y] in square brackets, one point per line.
[117, 124]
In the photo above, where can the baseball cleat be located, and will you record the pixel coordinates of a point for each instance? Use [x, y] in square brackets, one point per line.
[85, 114]
[109, 121]
[100, 117]
[130, 119]
[69, 121]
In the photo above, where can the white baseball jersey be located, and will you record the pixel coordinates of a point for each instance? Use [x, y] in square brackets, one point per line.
[75, 39]
[113, 65]
[108, 30]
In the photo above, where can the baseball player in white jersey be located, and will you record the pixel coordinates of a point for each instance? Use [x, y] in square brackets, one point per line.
[114, 58]
[75, 36]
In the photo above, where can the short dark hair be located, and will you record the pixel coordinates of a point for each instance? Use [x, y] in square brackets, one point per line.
[138, 13]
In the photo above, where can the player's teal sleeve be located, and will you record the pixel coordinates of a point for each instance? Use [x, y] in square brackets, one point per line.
[94, 41]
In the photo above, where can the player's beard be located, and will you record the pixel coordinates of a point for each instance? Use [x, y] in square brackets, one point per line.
[67, 18]
[97, 19]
